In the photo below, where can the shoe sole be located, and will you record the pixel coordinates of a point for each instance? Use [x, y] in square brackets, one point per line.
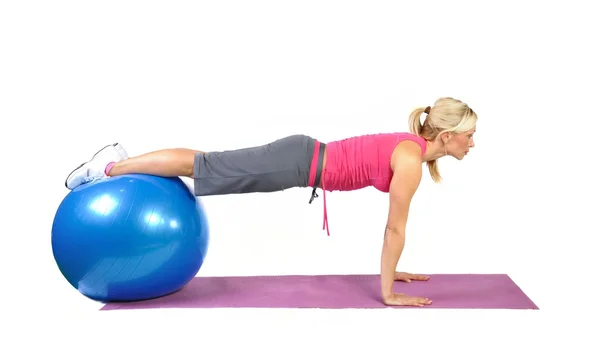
[73, 171]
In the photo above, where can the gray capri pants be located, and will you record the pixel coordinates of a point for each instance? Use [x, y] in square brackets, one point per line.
[293, 161]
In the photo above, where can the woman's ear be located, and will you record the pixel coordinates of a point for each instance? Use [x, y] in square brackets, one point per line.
[444, 137]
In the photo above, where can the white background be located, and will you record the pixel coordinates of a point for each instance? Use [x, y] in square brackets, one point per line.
[77, 75]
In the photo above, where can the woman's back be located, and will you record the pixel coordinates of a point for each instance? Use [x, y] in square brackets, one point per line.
[361, 161]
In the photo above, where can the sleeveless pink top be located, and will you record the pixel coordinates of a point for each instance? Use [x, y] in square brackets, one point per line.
[362, 161]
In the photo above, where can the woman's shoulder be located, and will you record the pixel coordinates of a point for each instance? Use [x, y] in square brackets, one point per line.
[411, 148]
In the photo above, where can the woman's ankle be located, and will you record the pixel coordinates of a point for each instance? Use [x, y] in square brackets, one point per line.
[108, 168]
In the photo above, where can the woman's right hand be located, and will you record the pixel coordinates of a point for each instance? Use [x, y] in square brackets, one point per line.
[400, 299]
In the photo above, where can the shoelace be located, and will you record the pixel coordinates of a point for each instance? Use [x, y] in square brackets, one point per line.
[90, 178]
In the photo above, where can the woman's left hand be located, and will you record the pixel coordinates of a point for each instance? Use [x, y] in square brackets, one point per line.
[407, 277]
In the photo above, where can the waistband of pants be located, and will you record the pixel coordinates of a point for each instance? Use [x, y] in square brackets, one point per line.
[316, 165]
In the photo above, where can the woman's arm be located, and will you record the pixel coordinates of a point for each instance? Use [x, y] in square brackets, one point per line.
[407, 168]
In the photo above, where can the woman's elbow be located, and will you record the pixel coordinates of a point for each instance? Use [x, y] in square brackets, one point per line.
[394, 229]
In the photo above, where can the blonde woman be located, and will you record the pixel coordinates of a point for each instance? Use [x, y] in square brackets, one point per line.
[390, 162]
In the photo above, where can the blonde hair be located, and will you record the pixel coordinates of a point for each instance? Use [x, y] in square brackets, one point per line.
[446, 115]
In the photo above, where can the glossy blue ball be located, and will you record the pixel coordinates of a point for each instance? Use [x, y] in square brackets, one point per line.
[130, 237]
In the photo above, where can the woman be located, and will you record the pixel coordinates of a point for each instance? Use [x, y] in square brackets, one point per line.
[390, 162]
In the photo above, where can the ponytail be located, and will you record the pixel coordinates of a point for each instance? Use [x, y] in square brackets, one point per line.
[414, 121]
[434, 171]
[415, 127]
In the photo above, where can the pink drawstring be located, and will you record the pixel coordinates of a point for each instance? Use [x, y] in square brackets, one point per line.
[312, 178]
[325, 221]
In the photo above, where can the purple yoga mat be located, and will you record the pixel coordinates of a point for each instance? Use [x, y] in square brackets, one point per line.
[338, 291]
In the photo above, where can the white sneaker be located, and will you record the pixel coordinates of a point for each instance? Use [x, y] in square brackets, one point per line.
[95, 168]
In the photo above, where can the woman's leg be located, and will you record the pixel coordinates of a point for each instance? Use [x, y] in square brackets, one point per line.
[113, 160]
[165, 163]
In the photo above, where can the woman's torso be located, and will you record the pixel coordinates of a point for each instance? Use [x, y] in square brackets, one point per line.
[362, 161]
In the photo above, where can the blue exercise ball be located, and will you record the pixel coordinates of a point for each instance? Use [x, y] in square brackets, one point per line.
[130, 237]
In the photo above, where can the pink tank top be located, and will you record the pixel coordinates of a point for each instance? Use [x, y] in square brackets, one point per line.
[362, 161]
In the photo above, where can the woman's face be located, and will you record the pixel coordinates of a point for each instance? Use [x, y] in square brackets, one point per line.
[459, 144]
